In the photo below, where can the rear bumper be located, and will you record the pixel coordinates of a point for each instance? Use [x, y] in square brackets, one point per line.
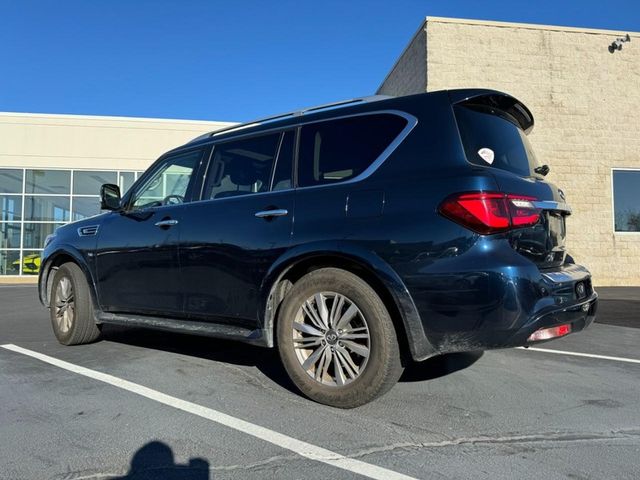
[579, 315]
[502, 304]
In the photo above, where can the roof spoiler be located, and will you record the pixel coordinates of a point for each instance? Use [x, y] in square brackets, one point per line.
[513, 109]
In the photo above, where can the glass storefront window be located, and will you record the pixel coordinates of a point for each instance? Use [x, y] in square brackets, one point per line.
[9, 262]
[10, 235]
[52, 209]
[10, 180]
[48, 181]
[626, 200]
[89, 183]
[84, 207]
[35, 233]
[35, 202]
[126, 181]
[10, 208]
[30, 262]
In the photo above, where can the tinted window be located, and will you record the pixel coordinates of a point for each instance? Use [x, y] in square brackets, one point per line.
[341, 149]
[48, 181]
[284, 164]
[169, 183]
[89, 183]
[242, 167]
[626, 200]
[491, 140]
[125, 181]
[10, 180]
[43, 208]
[84, 207]
[35, 233]
[10, 208]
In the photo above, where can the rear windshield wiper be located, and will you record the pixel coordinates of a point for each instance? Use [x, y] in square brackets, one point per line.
[542, 170]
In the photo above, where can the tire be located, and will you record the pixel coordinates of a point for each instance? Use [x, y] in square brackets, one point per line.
[71, 307]
[360, 318]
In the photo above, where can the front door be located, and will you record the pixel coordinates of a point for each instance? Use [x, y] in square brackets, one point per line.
[242, 226]
[138, 269]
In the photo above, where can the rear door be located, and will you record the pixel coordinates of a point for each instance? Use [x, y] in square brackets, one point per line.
[494, 137]
[237, 231]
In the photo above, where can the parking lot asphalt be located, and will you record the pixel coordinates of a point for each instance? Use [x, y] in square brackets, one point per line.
[144, 404]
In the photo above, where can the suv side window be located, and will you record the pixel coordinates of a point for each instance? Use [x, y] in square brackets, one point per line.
[169, 184]
[337, 150]
[242, 167]
[284, 164]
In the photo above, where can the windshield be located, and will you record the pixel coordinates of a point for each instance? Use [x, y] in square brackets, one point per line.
[490, 139]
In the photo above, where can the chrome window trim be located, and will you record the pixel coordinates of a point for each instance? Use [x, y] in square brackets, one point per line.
[386, 153]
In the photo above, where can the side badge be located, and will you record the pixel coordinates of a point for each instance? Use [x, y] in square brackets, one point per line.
[487, 155]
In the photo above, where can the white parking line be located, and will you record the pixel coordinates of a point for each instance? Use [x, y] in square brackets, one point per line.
[303, 449]
[578, 354]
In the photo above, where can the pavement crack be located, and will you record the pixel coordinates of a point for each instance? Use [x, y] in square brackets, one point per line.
[545, 437]
[267, 462]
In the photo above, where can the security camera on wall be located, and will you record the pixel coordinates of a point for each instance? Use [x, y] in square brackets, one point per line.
[617, 44]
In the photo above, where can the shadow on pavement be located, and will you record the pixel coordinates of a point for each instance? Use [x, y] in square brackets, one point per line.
[439, 366]
[264, 359]
[154, 461]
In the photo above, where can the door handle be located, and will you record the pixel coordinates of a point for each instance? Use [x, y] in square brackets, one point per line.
[276, 212]
[166, 223]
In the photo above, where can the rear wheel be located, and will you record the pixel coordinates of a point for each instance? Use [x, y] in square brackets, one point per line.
[71, 308]
[336, 339]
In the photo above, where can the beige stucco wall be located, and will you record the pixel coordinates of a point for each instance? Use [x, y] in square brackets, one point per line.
[76, 141]
[586, 102]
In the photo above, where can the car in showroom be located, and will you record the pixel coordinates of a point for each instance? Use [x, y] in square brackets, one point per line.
[30, 264]
[353, 237]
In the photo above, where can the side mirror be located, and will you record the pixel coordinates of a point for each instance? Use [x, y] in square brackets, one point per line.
[110, 197]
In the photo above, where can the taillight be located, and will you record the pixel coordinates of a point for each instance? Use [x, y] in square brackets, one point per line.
[490, 212]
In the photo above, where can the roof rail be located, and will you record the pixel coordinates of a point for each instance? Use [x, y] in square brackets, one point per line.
[297, 113]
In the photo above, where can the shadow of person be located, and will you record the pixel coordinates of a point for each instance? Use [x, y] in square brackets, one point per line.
[154, 461]
[439, 366]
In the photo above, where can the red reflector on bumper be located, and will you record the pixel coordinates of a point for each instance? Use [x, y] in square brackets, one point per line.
[548, 333]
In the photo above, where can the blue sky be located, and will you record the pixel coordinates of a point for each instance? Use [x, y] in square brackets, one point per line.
[233, 60]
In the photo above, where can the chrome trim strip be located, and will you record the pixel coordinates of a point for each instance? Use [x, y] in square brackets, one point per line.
[386, 153]
[567, 274]
[552, 205]
[296, 113]
[88, 230]
[277, 212]
[166, 223]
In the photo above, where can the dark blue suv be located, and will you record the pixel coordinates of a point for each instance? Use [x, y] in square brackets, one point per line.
[354, 237]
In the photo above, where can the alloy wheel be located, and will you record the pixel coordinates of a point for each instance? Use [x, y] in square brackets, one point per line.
[64, 305]
[331, 339]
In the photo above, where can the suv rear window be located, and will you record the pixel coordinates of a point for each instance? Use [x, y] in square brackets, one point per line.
[491, 139]
[341, 149]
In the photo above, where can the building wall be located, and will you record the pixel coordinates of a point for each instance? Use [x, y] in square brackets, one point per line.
[52, 166]
[586, 103]
[75, 141]
[409, 74]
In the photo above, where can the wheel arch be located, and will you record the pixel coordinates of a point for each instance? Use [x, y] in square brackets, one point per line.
[368, 266]
[53, 261]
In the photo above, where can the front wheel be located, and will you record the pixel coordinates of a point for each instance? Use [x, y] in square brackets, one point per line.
[337, 340]
[71, 308]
